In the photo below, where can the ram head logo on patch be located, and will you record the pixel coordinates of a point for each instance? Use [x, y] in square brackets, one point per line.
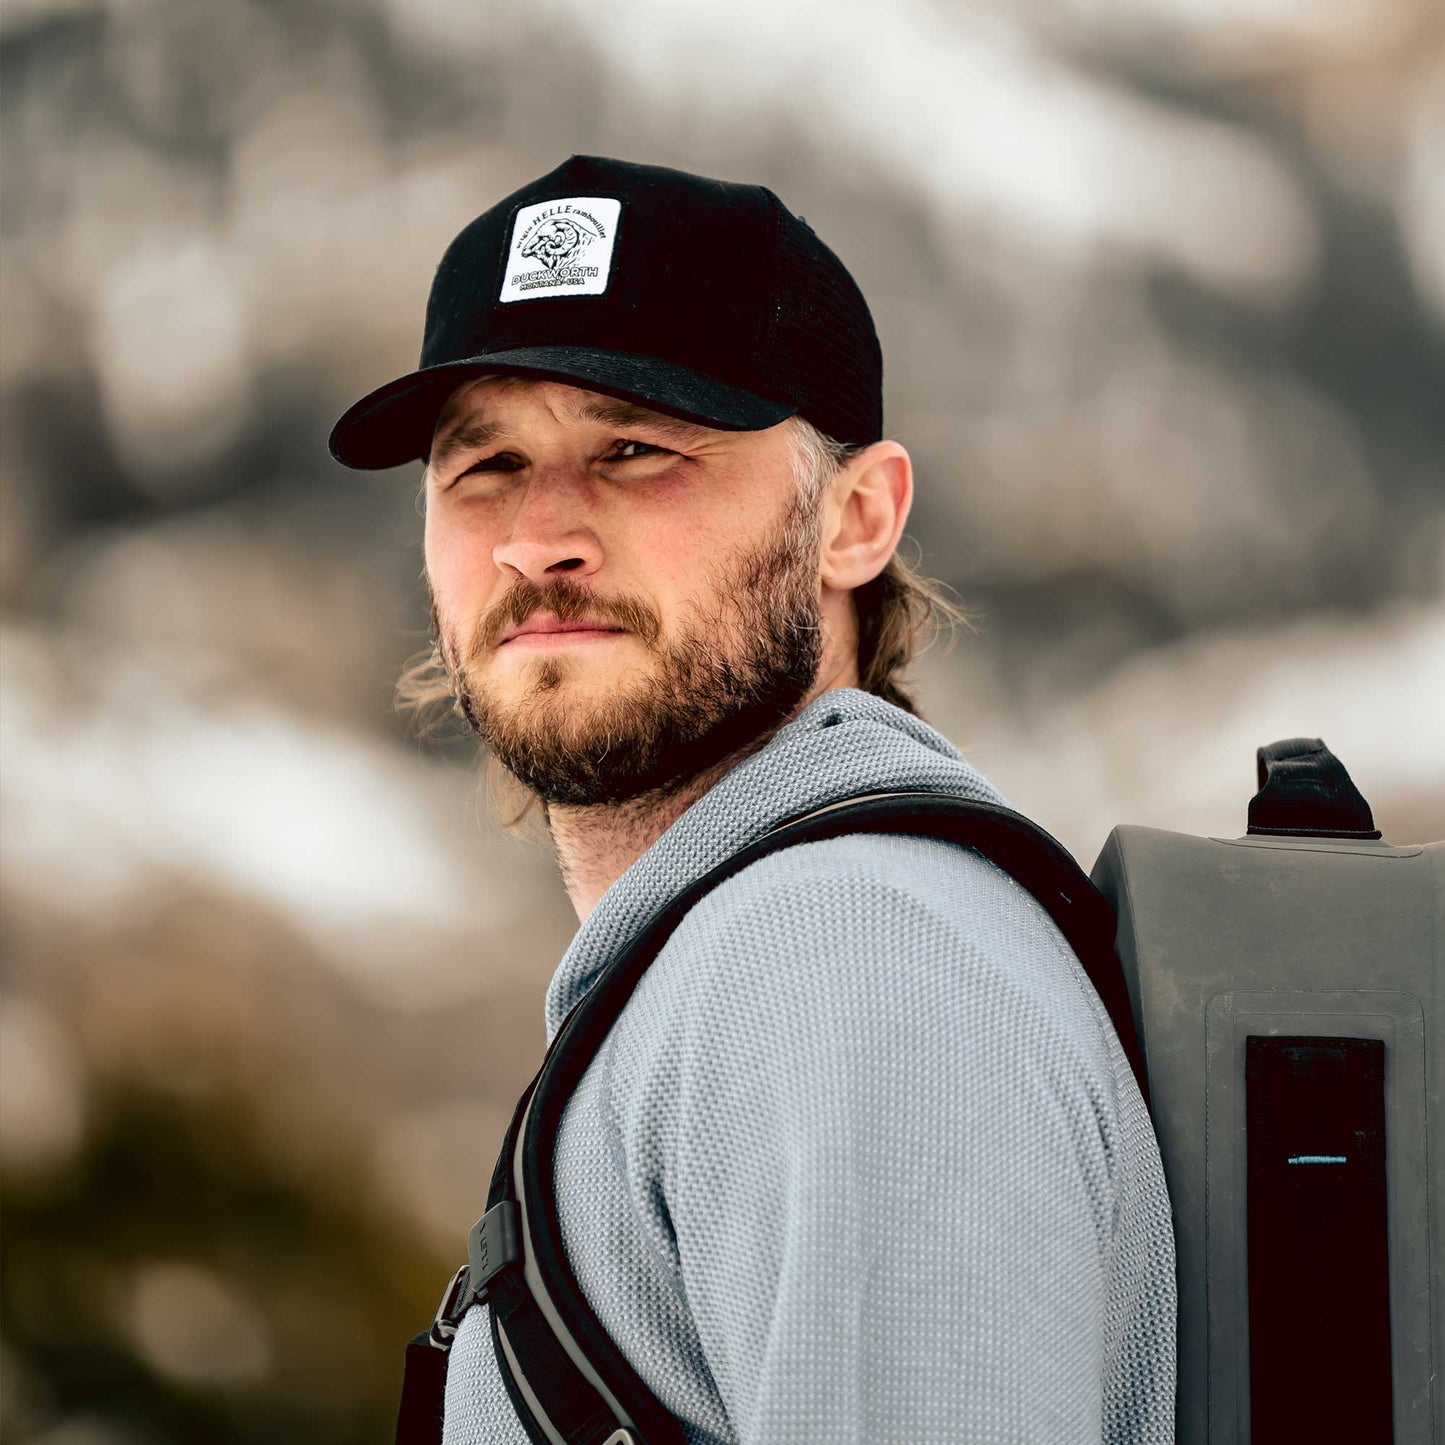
[558, 243]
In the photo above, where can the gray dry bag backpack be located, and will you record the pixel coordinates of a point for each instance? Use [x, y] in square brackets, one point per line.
[1285, 987]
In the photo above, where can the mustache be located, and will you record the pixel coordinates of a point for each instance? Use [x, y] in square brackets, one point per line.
[570, 602]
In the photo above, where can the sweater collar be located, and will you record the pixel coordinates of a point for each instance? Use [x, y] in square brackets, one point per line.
[844, 742]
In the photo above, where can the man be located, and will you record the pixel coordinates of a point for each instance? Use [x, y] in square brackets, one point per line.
[862, 1158]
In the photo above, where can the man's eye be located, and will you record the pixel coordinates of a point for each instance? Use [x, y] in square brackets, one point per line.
[502, 462]
[627, 450]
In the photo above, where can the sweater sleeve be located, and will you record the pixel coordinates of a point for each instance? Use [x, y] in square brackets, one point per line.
[887, 1167]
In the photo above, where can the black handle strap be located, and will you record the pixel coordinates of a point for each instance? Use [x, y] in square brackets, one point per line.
[1304, 791]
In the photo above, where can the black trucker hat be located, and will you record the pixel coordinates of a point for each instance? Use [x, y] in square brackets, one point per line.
[703, 299]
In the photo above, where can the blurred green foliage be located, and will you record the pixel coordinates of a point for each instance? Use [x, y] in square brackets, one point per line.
[169, 1178]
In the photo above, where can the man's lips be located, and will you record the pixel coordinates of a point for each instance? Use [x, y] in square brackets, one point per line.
[541, 628]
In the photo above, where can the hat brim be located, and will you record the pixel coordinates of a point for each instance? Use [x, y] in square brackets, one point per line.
[393, 424]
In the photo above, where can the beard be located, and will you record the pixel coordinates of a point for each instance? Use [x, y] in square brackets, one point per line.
[736, 671]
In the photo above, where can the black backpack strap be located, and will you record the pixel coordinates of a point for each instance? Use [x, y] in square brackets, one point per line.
[567, 1379]
[492, 1245]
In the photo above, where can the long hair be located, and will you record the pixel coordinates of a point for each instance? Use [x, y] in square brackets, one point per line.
[899, 613]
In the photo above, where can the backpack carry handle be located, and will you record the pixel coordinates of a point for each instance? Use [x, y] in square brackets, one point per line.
[1304, 791]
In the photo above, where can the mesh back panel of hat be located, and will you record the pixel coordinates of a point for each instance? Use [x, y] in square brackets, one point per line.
[821, 339]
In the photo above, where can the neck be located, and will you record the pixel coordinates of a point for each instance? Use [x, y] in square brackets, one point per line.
[597, 845]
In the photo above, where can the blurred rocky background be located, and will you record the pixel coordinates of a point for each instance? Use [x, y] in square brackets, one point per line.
[1161, 286]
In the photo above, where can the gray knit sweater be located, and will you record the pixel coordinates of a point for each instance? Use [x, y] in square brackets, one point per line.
[862, 1159]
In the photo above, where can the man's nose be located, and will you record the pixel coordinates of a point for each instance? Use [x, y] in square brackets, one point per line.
[551, 534]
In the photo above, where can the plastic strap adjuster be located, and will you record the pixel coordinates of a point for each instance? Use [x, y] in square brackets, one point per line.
[491, 1247]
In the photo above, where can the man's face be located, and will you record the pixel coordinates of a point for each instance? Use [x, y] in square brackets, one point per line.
[621, 600]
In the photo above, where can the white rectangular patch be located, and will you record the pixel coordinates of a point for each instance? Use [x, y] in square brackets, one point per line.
[561, 248]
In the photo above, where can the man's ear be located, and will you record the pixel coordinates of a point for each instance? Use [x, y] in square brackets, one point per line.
[863, 514]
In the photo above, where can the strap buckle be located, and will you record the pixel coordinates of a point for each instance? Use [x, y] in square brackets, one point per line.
[455, 1300]
[492, 1246]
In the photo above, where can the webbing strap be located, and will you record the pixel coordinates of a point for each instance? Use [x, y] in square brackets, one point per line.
[562, 1405]
[564, 1374]
[423, 1394]
[1319, 1273]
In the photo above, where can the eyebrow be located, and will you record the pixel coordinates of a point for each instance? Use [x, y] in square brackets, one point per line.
[625, 413]
[470, 436]
[474, 435]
